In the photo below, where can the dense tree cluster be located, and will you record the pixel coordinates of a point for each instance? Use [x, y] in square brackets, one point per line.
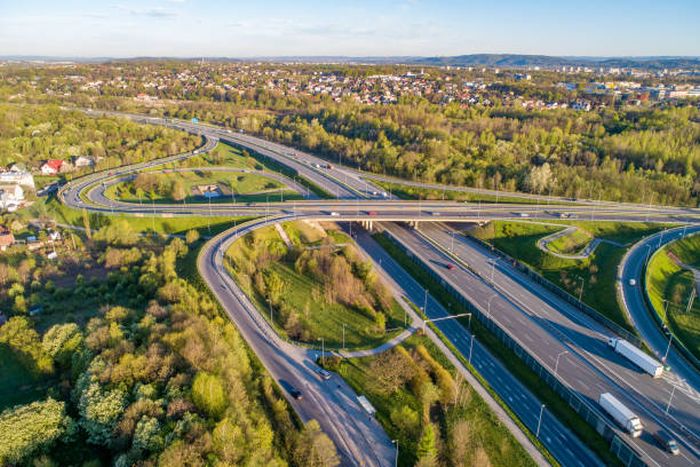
[30, 134]
[155, 374]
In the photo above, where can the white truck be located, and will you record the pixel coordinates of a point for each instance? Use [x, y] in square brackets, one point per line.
[622, 415]
[637, 356]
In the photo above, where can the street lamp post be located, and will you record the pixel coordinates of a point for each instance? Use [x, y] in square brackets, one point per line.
[668, 348]
[580, 293]
[668, 406]
[488, 303]
[396, 457]
[556, 364]
[471, 348]
[539, 421]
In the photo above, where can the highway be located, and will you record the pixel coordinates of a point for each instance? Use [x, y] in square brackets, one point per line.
[544, 324]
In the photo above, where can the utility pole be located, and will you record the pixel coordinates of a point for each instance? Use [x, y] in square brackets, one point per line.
[556, 365]
[539, 422]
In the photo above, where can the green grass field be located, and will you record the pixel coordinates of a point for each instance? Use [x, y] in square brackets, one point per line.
[233, 186]
[322, 318]
[670, 287]
[485, 432]
[596, 273]
[18, 385]
[570, 243]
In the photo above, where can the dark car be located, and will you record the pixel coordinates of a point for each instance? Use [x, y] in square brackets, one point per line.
[667, 442]
[295, 393]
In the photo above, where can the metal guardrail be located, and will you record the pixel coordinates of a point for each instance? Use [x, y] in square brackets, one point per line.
[627, 453]
[563, 294]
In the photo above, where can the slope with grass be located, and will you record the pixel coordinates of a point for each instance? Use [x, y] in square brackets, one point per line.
[670, 285]
[434, 415]
[317, 288]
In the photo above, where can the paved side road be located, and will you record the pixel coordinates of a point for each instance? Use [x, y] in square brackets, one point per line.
[359, 438]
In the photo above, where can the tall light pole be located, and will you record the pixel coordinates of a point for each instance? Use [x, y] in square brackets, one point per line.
[323, 350]
[488, 305]
[580, 293]
[556, 364]
[668, 347]
[539, 421]
[471, 348]
[668, 406]
[396, 457]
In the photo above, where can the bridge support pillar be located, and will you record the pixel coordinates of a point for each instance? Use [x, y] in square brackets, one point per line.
[367, 225]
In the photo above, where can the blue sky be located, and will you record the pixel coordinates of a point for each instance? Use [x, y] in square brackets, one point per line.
[351, 27]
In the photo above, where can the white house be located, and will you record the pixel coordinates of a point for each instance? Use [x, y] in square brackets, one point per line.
[83, 161]
[11, 196]
[20, 177]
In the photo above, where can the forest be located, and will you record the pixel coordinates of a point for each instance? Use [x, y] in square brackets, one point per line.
[30, 134]
[127, 362]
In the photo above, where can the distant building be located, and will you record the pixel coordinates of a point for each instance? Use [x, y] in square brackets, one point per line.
[17, 175]
[83, 161]
[51, 167]
[6, 238]
[11, 196]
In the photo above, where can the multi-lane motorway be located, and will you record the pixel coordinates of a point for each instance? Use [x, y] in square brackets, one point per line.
[543, 323]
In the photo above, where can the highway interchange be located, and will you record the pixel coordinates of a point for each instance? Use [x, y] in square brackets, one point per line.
[549, 328]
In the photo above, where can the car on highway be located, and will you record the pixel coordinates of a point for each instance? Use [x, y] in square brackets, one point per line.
[523, 214]
[295, 393]
[632, 282]
[334, 214]
[667, 442]
[371, 213]
[324, 374]
[450, 266]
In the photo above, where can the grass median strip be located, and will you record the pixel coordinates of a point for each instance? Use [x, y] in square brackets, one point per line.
[508, 358]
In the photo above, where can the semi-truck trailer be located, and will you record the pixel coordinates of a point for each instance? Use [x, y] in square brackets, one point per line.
[637, 356]
[621, 414]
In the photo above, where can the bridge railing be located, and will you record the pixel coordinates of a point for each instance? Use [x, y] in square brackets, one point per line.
[626, 452]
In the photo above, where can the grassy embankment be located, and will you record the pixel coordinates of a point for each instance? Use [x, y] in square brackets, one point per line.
[316, 287]
[423, 403]
[597, 273]
[666, 280]
[508, 358]
[411, 192]
[232, 186]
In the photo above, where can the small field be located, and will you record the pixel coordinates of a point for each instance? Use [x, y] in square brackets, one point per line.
[200, 186]
[570, 243]
[592, 278]
[434, 414]
[317, 288]
[671, 286]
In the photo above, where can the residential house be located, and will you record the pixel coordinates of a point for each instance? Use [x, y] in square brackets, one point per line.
[11, 196]
[51, 167]
[83, 161]
[17, 175]
[6, 238]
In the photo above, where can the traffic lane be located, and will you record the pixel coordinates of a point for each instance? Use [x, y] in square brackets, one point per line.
[539, 341]
[575, 326]
[563, 444]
